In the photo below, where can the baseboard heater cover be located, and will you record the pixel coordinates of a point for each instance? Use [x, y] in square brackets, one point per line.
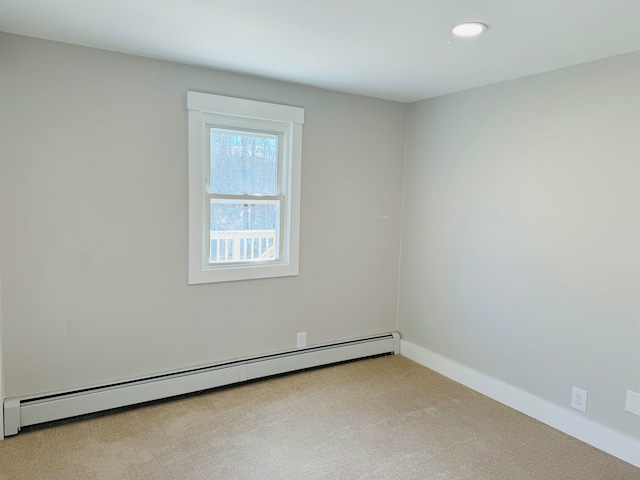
[31, 411]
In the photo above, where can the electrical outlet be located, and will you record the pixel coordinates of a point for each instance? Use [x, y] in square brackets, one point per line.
[632, 404]
[301, 340]
[579, 399]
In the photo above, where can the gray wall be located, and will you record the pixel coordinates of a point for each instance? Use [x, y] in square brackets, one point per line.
[94, 221]
[521, 233]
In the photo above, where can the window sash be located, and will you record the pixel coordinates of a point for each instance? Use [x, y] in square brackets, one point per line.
[237, 242]
[249, 131]
[253, 128]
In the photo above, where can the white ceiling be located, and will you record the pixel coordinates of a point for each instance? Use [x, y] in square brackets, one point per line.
[395, 49]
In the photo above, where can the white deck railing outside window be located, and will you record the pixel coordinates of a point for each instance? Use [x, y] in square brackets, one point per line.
[242, 245]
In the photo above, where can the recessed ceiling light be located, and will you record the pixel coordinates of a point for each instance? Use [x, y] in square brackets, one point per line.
[469, 29]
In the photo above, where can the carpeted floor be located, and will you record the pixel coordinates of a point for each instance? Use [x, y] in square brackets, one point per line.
[381, 418]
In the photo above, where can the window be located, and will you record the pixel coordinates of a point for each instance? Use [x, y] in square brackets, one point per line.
[244, 188]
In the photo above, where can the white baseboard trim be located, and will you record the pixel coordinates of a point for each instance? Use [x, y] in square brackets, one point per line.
[588, 431]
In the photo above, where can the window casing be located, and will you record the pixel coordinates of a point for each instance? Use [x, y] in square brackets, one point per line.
[244, 188]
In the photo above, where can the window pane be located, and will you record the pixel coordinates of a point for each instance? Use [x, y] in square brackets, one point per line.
[243, 232]
[243, 163]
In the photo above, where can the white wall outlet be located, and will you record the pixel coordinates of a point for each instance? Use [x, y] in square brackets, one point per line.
[632, 405]
[579, 399]
[301, 340]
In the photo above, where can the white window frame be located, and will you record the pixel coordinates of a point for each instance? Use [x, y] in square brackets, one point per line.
[207, 110]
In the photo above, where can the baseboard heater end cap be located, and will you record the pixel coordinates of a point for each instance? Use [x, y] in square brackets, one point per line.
[11, 408]
[396, 343]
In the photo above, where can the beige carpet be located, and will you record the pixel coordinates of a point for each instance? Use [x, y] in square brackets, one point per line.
[381, 418]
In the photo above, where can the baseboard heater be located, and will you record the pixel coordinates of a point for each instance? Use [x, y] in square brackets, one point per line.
[21, 412]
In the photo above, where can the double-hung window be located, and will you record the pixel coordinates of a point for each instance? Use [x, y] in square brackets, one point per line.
[244, 188]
